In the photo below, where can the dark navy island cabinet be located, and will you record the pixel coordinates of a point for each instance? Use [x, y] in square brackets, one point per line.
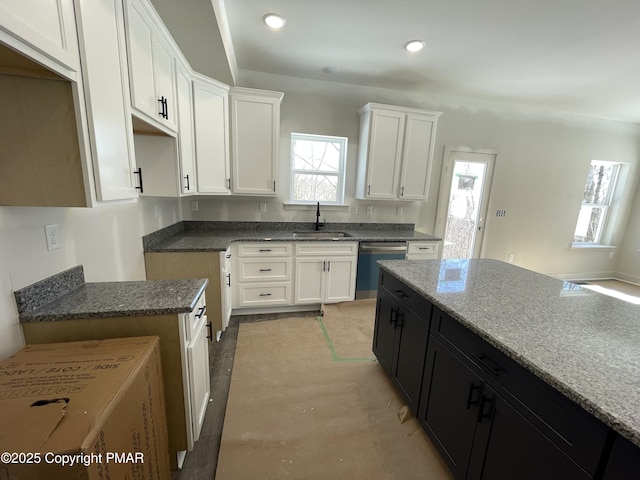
[488, 416]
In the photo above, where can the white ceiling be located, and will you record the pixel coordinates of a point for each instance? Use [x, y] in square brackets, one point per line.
[576, 56]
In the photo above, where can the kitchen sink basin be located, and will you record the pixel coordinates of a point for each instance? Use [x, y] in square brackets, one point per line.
[314, 234]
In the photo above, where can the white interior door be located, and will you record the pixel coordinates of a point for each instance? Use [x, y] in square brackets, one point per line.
[464, 197]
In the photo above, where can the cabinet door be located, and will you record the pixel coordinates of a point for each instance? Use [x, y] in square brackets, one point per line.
[448, 408]
[140, 55]
[210, 104]
[416, 157]
[199, 386]
[309, 280]
[340, 279]
[385, 154]
[254, 144]
[100, 25]
[507, 446]
[384, 333]
[412, 334]
[185, 137]
[163, 59]
[47, 25]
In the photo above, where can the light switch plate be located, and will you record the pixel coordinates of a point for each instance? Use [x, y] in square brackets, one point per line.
[263, 207]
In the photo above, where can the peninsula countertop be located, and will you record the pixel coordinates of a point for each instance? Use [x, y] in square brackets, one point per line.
[584, 344]
[196, 236]
[66, 296]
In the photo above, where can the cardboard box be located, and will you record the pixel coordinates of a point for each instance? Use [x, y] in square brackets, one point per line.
[84, 410]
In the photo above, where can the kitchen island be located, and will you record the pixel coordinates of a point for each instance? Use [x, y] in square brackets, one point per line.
[533, 362]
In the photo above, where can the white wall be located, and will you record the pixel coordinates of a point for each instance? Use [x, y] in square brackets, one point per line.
[628, 267]
[540, 172]
[106, 240]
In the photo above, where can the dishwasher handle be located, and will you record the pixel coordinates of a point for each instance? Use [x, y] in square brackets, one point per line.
[381, 247]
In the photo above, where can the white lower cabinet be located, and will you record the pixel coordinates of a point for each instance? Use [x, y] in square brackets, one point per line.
[197, 388]
[261, 274]
[422, 250]
[225, 284]
[325, 272]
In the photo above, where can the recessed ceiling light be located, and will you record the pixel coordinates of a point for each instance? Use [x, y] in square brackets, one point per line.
[414, 46]
[274, 21]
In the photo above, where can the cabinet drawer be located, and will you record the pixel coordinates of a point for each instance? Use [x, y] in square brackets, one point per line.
[194, 319]
[264, 249]
[252, 270]
[326, 248]
[265, 294]
[405, 295]
[420, 248]
[579, 434]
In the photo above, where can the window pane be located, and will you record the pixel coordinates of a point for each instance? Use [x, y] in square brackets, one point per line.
[316, 155]
[589, 224]
[316, 188]
[599, 181]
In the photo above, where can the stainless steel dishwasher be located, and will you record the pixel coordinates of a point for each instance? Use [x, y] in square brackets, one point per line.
[368, 255]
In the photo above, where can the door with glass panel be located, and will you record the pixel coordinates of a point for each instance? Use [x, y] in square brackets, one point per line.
[464, 197]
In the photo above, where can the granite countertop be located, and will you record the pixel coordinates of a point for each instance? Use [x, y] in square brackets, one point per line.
[584, 344]
[217, 236]
[66, 296]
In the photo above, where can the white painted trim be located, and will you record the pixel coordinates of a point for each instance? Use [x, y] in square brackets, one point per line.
[225, 34]
[585, 247]
[313, 206]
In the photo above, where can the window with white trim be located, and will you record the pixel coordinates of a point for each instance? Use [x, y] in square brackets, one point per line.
[596, 202]
[318, 165]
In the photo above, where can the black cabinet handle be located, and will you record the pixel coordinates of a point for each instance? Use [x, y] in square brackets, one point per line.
[210, 331]
[394, 315]
[164, 113]
[265, 269]
[264, 250]
[472, 388]
[229, 183]
[228, 279]
[487, 363]
[324, 265]
[402, 191]
[400, 319]
[139, 173]
[369, 190]
[328, 265]
[187, 178]
[201, 311]
[274, 185]
[401, 293]
[265, 294]
[483, 412]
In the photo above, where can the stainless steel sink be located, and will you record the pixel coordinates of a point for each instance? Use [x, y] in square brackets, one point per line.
[314, 234]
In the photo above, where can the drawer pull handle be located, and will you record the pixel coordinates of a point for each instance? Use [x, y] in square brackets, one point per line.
[487, 363]
[484, 401]
[472, 389]
[210, 331]
[265, 269]
[265, 250]
[228, 279]
[401, 293]
[201, 311]
[424, 248]
[265, 294]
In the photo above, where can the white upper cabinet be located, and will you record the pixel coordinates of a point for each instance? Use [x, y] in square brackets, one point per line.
[395, 152]
[48, 26]
[151, 69]
[104, 71]
[186, 148]
[255, 131]
[211, 116]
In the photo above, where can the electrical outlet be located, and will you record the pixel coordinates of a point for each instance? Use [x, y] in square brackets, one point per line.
[369, 209]
[501, 213]
[399, 211]
[263, 207]
[510, 260]
[52, 235]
